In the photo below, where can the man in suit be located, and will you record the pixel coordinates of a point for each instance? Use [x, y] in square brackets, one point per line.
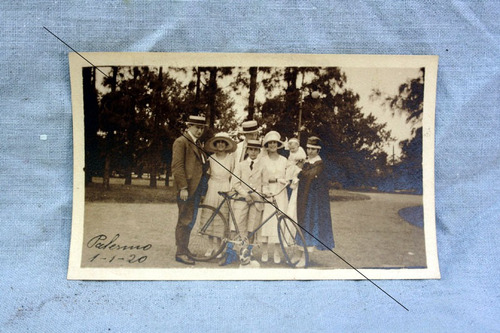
[248, 183]
[188, 169]
[250, 130]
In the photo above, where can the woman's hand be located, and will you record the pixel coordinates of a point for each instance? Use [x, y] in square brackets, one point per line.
[282, 181]
[249, 199]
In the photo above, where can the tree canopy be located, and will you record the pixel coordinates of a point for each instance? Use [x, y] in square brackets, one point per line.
[141, 110]
[409, 101]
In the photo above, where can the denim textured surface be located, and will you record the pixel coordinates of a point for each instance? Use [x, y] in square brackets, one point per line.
[36, 175]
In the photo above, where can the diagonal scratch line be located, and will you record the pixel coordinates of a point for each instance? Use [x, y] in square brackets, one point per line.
[53, 34]
[305, 230]
[260, 194]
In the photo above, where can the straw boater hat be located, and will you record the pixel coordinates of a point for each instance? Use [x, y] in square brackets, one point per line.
[196, 120]
[314, 142]
[249, 126]
[273, 136]
[254, 144]
[210, 145]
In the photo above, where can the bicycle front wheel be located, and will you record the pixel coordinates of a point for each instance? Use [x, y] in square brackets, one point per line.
[292, 243]
[208, 235]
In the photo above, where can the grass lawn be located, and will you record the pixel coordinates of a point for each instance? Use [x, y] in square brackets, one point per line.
[94, 192]
[142, 193]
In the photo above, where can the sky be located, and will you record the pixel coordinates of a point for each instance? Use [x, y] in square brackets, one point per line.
[387, 80]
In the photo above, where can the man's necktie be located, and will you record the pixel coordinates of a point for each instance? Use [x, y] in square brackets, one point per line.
[251, 165]
[198, 146]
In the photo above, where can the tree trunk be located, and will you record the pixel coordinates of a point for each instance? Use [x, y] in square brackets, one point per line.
[132, 130]
[212, 91]
[291, 102]
[253, 88]
[91, 115]
[107, 171]
[167, 176]
[197, 93]
[153, 175]
[109, 140]
[157, 118]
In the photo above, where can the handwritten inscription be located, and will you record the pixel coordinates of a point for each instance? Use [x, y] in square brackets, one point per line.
[100, 242]
[103, 242]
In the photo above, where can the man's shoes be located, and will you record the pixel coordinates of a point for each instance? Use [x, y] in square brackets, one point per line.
[182, 258]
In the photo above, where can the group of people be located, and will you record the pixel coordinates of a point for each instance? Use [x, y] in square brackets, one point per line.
[251, 167]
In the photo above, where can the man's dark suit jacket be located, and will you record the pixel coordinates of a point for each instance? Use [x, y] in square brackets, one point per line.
[187, 164]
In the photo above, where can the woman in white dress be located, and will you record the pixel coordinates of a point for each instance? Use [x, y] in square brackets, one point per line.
[273, 179]
[221, 145]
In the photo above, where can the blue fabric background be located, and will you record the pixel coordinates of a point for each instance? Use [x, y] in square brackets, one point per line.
[36, 175]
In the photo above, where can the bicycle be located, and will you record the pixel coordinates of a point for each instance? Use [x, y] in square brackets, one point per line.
[216, 230]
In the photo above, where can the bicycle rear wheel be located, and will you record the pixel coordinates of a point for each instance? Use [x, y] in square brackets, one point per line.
[292, 242]
[208, 235]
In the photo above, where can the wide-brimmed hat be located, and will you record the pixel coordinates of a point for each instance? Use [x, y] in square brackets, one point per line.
[249, 126]
[196, 120]
[314, 142]
[273, 136]
[254, 144]
[210, 145]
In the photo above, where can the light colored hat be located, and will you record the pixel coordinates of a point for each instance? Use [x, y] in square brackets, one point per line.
[254, 144]
[314, 142]
[273, 136]
[249, 126]
[210, 145]
[196, 120]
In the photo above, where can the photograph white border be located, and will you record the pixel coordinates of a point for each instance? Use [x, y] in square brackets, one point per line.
[75, 271]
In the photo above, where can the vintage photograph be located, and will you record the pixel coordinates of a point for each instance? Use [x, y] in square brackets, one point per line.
[253, 166]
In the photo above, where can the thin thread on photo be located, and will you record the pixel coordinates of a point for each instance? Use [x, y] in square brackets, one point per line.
[72, 49]
[260, 194]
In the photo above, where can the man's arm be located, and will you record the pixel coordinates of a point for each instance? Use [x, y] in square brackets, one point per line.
[237, 185]
[178, 163]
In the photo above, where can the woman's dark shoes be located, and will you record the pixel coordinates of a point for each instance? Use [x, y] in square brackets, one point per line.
[182, 258]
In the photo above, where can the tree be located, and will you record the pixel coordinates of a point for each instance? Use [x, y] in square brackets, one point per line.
[247, 79]
[409, 101]
[353, 139]
[91, 113]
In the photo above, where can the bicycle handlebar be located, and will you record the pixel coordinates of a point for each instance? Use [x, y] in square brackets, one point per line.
[270, 195]
[231, 194]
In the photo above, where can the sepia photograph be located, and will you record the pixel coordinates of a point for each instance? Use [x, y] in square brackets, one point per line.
[253, 166]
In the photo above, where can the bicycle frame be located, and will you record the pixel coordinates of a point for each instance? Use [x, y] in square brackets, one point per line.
[232, 219]
[232, 237]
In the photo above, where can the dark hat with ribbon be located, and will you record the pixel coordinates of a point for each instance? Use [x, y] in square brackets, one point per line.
[254, 144]
[314, 142]
[196, 120]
